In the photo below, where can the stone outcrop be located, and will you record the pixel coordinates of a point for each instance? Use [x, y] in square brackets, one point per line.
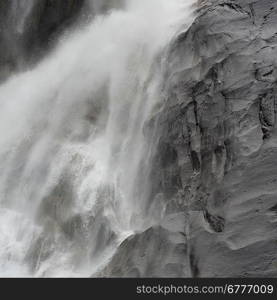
[214, 173]
[216, 159]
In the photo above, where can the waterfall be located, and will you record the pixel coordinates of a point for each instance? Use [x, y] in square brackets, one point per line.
[74, 158]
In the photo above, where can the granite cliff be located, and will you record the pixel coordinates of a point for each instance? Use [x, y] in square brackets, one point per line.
[215, 167]
[212, 201]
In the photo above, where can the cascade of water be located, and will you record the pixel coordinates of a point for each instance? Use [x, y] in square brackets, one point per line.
[73, 155]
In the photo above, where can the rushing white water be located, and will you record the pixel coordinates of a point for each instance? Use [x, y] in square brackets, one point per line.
[73, 154]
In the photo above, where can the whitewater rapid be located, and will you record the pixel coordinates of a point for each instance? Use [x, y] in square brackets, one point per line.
[74, 158]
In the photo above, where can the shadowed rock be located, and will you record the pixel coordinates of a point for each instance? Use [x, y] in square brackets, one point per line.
[216, 159]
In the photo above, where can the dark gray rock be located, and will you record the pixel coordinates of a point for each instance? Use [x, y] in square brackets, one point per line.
[220, 119]
[217, 154]
[160, 251]
[214, 172]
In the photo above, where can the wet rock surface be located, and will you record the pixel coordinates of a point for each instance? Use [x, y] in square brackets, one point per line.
[214, 174]
[216, 158]
[163, 254]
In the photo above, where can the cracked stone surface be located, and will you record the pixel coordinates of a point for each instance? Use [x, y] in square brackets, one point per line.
[215, 166]
[214, 175]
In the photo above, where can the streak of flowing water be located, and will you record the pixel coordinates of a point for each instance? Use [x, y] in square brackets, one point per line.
[20, 11]
[73, 155]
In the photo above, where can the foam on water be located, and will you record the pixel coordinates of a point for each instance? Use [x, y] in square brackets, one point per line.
[73, 154]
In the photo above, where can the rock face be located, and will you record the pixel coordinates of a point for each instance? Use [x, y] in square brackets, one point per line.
[214, 173]
[217, 154]
[160, 251]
